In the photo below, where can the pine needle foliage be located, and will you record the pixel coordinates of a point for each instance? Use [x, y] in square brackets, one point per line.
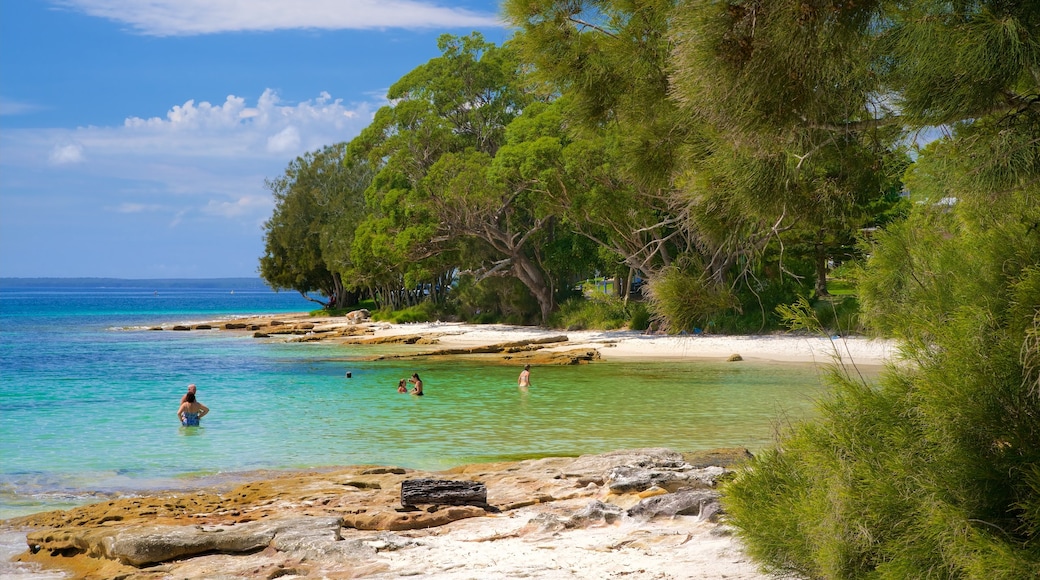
[933, 472]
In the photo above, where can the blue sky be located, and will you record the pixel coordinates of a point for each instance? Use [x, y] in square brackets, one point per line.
[136, 135]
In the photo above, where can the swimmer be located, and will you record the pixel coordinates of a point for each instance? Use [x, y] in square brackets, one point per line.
[524, 380]
[191, 411]
[418, 384]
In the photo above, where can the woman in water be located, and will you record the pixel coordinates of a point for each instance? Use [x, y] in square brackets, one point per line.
[401, 386]
[191, 411]
[418, 384]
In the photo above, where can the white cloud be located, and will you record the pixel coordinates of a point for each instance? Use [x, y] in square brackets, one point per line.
[10, 107]
[245, 205]
[194, 17]
[66, 154]
[287, 139]
[233, 129]
[199, 161]
[140, 208]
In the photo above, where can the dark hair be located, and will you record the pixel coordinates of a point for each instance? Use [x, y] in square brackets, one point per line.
[190, 398]
[416, 376]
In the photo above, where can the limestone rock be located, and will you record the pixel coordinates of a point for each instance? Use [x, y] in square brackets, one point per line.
[395, 521]
[682, 503]
[358, 316]
[724, 457]
[596, 512]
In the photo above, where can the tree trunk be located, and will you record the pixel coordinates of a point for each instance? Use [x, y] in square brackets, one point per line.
[531, 276]
[821, 271]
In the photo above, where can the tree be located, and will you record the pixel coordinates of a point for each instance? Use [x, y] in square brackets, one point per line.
[615, 131]
[934, 472]
[802, 147]
[318, 203]
[436, 145]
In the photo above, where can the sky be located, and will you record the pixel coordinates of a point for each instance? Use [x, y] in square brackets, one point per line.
[136, 135]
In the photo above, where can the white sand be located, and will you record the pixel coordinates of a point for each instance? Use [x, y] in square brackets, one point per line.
[633, 345]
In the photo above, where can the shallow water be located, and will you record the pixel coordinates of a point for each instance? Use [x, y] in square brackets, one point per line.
[89, 406]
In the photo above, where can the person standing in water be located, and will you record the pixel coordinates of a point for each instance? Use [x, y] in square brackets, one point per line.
[401, 386]
[191, 391]
[415, 380]
[191, 411]
[524, 380]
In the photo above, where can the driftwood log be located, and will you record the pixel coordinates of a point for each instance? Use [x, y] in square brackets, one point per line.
[443, 492]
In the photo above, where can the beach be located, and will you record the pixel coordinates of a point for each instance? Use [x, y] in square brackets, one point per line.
[565, 517]
[618, 345]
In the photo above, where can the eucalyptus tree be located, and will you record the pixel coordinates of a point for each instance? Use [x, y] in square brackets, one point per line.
[435, 145]
[605, 64]
[319, 201]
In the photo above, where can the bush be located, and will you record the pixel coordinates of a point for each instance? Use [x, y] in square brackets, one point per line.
[683, 301]
[601, 313]
[935, 471]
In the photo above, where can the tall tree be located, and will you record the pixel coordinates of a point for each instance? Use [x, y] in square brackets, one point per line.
[436, 143]
[798, 115]
[618, 133]
[318, 202]
[936, 471]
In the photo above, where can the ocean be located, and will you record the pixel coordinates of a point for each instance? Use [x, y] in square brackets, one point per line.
[88, 399]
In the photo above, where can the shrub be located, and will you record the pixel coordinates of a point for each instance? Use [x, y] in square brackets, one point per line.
[935, 471]
[599, 312]
[683, 301]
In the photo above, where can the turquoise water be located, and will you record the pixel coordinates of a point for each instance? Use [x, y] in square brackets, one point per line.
[88, 400]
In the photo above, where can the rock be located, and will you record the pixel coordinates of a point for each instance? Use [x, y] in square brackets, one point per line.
[627, 479]
[735, 358]
[443, 492]
[382, 470]
[724, 457]
[595, 512]
[681, 503]
[181, 327]
[358, 316]
[332, 523]
[390, 520]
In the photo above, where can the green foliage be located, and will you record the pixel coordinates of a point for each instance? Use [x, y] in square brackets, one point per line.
[318, 205]
[932, 472]
[495, 299]
[682, 301]
[601, 313]
[422, 312]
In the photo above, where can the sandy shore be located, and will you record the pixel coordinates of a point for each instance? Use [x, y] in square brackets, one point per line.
[634, 345]
[531, 536]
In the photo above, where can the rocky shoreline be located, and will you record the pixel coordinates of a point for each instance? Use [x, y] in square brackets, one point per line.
[641, 514]
[645, 513]
[534, 345]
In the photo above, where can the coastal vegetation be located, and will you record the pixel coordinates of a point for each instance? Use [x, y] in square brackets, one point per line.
[728, 154]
